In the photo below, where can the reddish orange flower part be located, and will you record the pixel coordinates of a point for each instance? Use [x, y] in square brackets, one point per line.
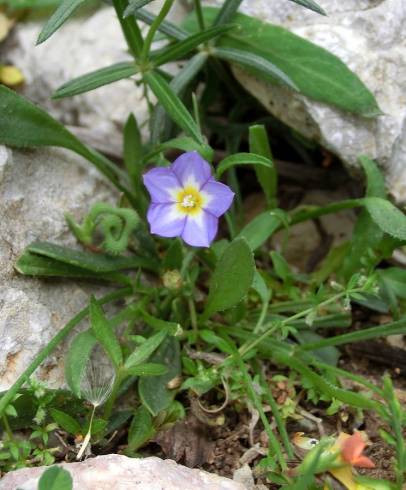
[351, 452]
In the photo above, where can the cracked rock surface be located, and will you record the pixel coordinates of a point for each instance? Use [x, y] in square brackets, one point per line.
[368, 35]
[124, 473]
[36, 189]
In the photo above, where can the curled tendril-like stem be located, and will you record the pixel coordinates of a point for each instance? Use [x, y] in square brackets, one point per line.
[115, 224]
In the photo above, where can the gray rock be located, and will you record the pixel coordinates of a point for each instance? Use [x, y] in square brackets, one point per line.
[83, 44]
[368, 35]
[36, 189]
[105, 472]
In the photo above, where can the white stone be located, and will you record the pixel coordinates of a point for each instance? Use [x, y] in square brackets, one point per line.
[368, 35]
[36, 189]
[122, 473]
[83, 44]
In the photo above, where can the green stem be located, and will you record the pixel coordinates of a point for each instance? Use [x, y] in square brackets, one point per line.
[394, 328]
[262, 317]
[193, 316]
[130, 28]
[273, 441]
[277, 416]
[199, 14]
[153, 29]
[316, 212]
[51, 346]
[247, 347]
[7, 428]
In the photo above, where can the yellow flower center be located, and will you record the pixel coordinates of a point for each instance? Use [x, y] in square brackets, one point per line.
[189, 200]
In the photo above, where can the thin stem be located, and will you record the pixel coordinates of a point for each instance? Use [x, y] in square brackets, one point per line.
[7, 427]
[86, 440]
[247, 347]
[273, 441]
[199, 14]
[193, 316]
[154, 28]
[316, 211]
[393, 328]
[262, 317]
[51, 346]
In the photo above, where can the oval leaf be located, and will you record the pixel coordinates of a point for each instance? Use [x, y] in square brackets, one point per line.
[386, 216]
[232, 277]
[55, 478]
[145, 350]
[141, 429]
[66, 422]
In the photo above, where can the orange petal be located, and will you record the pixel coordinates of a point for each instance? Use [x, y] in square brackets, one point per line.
[352, 448]
[363, 462]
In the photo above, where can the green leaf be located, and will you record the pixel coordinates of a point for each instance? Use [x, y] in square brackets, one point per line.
[173, 105]
[395, 279]
[141, 429]
[77, 358]
[330, 355]
[242, 159]
[231, 278]
[311, 5]
[96, 79]
[389, 219]
[134, 5]
[130, 28]
[24, 125]
[182, 48]
[87, 260]
[259, 285]
[104, 333]
[167, 28]
[59, 17]
[133, 153]
[160, 121]
[227, 11]
[281, 267]
[66, 422]
[145, 350]
[252, 61]
[147, 369]
[261, 228]
[317, 73]
[267, 177]
[183, 143]
[374, 177]
[154, 392]
[55, 478]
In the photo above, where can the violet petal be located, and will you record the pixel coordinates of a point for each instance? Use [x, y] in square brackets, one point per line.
[191, 169]
[166, 220]
[219, 197]
[200, 230]
[162, 184]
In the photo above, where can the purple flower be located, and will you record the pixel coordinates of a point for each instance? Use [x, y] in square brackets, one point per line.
[186, 201]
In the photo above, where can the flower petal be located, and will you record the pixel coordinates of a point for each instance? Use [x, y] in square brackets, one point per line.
[200, 229]
[162, 184]
[191, 169]
[352, 447]
[364, 462]
[166, 220]
[217, 197]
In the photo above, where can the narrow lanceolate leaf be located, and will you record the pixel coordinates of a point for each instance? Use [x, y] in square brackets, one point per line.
[227, 11]
[252, 61]
[389, 219]
[267, 177]
[59, 17]
[243, 159]
[182, 48]
[24, 125]
[87, 260]
[147, 369]
[133, 152]
[311, 5]
[261, 228]
[96, 79]
[145, 350]
[173, 105]
[135, 5]
[316, 72]
[104, 333]
[160, 121]
[167, 28]
[77, 358]
[232, 277]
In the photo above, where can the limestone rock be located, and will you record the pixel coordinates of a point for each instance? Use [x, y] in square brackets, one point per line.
[36, 189]
[368, 35]
[105, 472]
